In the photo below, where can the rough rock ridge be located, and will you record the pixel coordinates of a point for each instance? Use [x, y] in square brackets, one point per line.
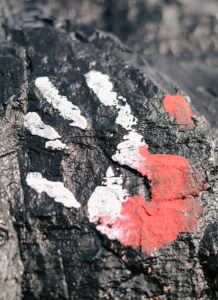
[109, 173]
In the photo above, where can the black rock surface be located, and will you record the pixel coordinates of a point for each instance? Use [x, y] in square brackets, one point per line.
[185, 29]
[50, 251]
[208, 255]
[179, 37]
[196, 79]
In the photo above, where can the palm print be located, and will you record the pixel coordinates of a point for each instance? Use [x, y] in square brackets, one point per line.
[174, 206]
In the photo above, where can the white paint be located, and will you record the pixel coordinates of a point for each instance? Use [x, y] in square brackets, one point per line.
[102, 87]
[57, 144]
[54, 190]
[34, 124]
[107, 199]
[66, 109]
[110, 172]
[120, 97]
[128, 151]
[125, 117]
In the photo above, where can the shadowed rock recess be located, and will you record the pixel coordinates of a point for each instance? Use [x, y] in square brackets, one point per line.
[108, 172]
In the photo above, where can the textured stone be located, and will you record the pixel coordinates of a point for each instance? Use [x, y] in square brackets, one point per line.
[62, 253]
[179, 28]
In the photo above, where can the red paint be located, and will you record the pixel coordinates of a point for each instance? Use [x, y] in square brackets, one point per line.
[172, 209]
[152, 226]
[179, 109]
[170, 175]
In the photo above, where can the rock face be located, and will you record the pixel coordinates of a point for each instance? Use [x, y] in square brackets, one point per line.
[109, 173]
[184, 29]
[13, 98]
[178, 37]
[196, 79]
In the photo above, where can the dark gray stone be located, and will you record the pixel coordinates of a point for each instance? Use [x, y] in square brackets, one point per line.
[61, 254]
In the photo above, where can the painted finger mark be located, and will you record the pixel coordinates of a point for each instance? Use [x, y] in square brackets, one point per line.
[107, 199]
[102, 87]
[35, 125]
[170, 175]
[56, 145]
[151, 226]
[55, 190]
[178, 108]
[173, 209]
[67, 110]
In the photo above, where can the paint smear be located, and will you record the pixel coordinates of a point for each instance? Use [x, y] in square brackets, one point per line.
[170, 175]
[174, 207]
[178, 108]
[56, 145]
[102, 87]
[107, 199]
[128, 151]
[66, 109]
[151, 225]
[54, 190]
[34, 124]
